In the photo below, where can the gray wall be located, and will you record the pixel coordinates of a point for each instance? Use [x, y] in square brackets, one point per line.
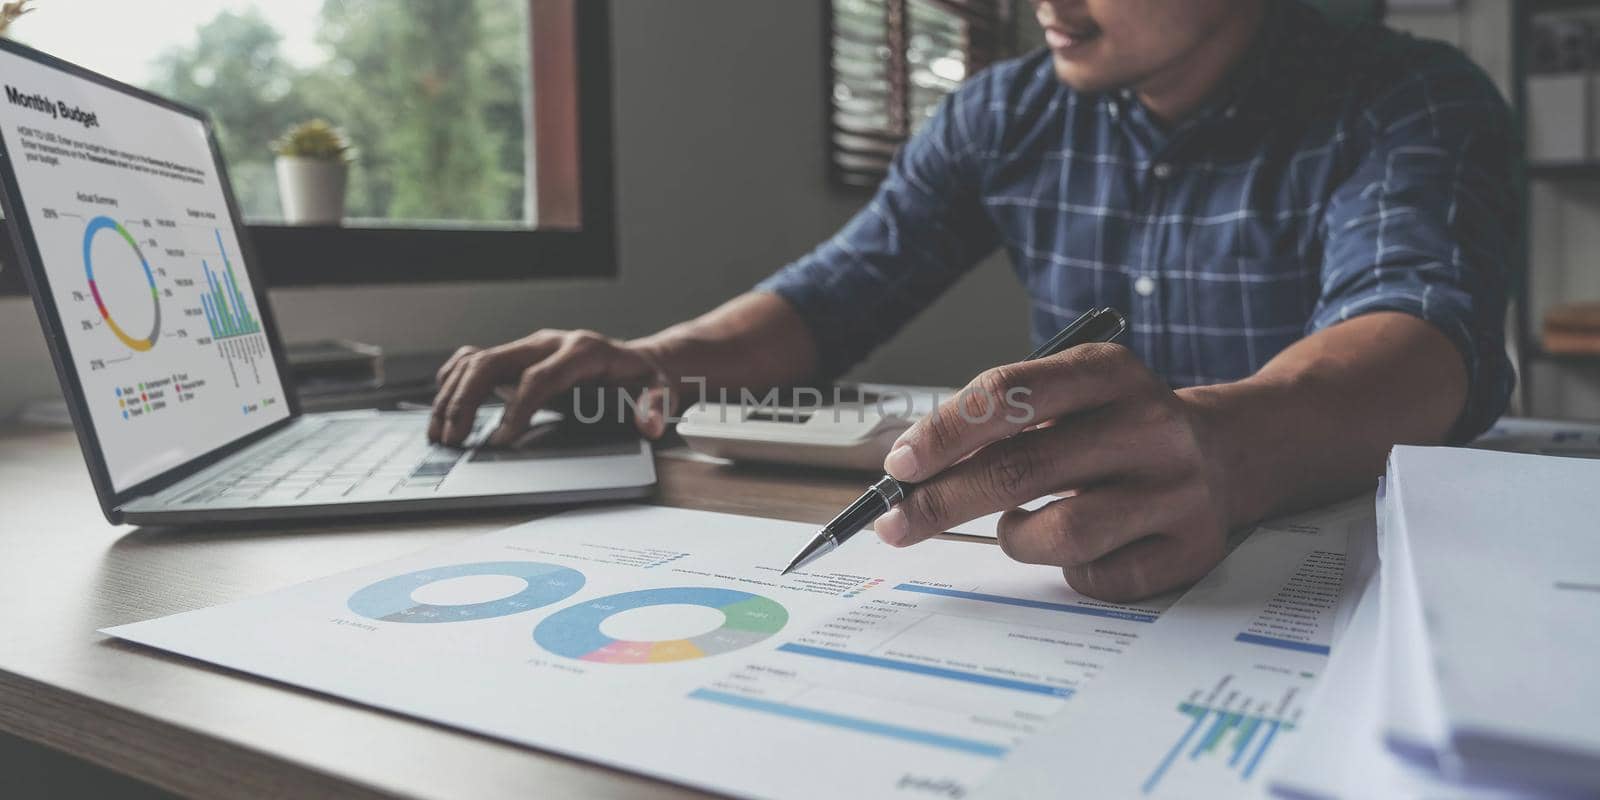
[721, 179]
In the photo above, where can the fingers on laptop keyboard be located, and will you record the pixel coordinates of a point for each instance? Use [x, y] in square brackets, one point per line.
[473, 375]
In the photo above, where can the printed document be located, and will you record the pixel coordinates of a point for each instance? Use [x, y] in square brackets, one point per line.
[665, 642]
[1218, 685]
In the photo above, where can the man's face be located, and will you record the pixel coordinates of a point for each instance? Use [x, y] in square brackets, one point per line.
[1112, 44]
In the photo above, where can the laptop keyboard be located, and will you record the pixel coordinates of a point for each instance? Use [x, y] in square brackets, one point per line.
[343, 460]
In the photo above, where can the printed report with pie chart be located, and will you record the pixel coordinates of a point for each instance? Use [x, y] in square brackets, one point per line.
[665, 642]
[144, 267]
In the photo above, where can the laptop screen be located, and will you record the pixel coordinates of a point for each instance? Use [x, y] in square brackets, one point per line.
[136, 241]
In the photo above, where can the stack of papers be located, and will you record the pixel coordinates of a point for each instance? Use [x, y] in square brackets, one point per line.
[1468, 669]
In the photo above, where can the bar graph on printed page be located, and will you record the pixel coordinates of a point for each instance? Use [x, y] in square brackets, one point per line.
[1217, 686]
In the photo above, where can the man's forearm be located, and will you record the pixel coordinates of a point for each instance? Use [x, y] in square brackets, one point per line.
[755, 340]
[1316, 423]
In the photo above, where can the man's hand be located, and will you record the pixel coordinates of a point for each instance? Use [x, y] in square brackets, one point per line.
[1145, 511]
[1157, 478]
[541, 366]
[754, 340]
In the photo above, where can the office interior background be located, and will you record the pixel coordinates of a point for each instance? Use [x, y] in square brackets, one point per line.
[721, 174]
[711, 155]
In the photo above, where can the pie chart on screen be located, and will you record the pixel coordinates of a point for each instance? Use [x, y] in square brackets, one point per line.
[124, 289]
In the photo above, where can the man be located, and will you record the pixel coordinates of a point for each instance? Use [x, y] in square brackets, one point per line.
[1308, 227]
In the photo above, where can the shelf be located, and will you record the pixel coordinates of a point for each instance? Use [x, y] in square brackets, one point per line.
[1539, 354]
[1547, 6]
[1578, 170]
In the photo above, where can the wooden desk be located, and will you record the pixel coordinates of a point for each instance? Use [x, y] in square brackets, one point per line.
[197, 730]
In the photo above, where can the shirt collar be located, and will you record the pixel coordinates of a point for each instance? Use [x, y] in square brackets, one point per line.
[1268, 75]
[1251, 85]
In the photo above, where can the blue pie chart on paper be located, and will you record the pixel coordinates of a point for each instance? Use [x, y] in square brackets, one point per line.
[574, 632]
[390, 600]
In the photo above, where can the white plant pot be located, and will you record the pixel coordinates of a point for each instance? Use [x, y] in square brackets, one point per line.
[312, 190]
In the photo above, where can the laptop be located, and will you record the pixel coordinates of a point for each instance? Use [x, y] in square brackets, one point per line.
[138, 261]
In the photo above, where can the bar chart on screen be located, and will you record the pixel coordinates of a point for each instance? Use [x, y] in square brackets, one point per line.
[235, 330]
[227, 311]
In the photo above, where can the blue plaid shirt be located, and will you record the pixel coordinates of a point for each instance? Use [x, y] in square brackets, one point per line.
[1340, 171]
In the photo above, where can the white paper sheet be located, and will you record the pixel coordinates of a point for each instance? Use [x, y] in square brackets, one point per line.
[887, 671]
[1411, 722]
[1214, 687]
[1340, 753]
[1505, 555]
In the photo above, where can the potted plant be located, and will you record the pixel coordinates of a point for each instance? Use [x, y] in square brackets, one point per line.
[313, 168]
[9, 13]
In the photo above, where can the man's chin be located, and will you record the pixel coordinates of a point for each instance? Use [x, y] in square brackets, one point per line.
[1083, 77]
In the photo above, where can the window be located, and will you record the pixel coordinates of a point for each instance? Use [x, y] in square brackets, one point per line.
[891, 62]
[481, 127]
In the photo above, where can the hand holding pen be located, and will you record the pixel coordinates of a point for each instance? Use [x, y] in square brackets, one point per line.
[1144, 465]
[883, 497]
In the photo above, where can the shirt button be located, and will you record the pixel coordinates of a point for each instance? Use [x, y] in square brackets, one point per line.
[1231, 112]
[1145, 286]
[1162, 170]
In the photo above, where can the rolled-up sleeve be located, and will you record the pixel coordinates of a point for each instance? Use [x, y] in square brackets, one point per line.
[1426, 226]
[924, 228]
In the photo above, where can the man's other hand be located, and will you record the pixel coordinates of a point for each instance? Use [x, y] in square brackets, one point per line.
[1143, 511]
[538, 368]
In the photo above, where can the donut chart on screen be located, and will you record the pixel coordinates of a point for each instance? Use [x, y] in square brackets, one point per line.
[390, 600]
[575, 632]
[104, 223]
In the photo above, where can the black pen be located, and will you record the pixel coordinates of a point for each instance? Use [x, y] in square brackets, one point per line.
[1096, 325]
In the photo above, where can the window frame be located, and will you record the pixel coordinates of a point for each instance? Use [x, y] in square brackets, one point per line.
[333, 255]
[979, 53]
